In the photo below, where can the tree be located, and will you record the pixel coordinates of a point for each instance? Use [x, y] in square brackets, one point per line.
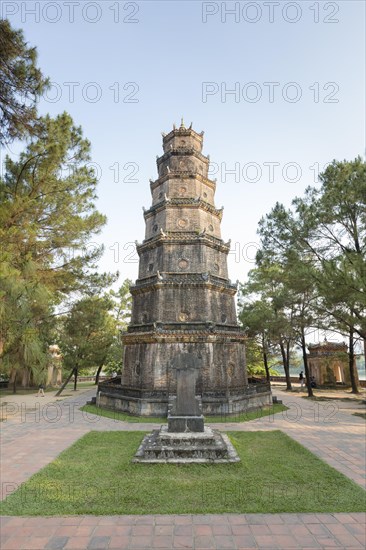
[265, 312]
[122, 303]
[121, 311]
[24, 303]
[47, 209]
[88, 333]
[302, 295]
[336, 237]
[299, 291]
[254, 360]
[21, 84]
[256, 317]
[47, 219]
[321, 245]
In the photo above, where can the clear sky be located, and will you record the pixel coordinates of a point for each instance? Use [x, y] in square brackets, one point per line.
[127, 70]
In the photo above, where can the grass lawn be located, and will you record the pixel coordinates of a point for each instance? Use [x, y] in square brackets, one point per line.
[96, 476]
[242, 417]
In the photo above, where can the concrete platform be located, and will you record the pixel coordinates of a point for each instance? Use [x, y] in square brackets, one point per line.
[33, 436]
[207, 447]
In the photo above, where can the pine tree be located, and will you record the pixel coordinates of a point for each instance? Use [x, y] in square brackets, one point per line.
[21, 84]
[47, 219]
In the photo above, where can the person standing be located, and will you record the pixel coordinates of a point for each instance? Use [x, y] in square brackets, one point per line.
[40, 390]
[301, 379]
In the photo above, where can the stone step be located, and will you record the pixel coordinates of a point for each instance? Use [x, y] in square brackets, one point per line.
[209, 446]
[186, 453]
[185, 460]
[185, 449]
[188, 444]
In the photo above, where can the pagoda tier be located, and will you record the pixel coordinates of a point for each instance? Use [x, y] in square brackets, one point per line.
[183, 300]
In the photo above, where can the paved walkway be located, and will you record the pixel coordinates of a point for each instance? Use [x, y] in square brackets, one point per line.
[229, 531]
[36, 430]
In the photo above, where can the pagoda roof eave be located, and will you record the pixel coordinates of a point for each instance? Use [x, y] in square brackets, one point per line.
[184, 237]
[183, 132]
[181, 175]
[182, 151]
[184, 202]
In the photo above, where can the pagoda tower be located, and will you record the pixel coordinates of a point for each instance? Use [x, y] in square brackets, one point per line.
[183, 300]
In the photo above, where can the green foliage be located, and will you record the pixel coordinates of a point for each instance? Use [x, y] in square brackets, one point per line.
[336, 215]
[21, 84]
[122, 303]
[88, 333]
[311, 268]
[265, 314]
[254, 359]
[322, 245]
[47, 218]
[121, 312]
[47, 212]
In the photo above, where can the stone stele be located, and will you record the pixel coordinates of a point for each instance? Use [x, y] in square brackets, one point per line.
[185, 411]
[185, 439]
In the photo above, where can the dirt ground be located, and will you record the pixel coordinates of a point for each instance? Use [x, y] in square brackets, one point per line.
[354, 403]
[25, 401]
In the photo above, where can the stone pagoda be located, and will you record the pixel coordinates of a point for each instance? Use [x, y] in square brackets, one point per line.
[183, 300]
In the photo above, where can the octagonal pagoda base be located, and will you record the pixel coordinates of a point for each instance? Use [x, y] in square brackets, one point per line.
[137, 402]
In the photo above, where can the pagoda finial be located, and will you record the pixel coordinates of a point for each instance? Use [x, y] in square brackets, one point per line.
[182, 127]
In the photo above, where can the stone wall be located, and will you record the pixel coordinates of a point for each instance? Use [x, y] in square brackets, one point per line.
[183, 258]
[182, 219]
[247, 400]
[183, 187]
[171, 304]
[182, 160]
[223, 365]
[189, 138]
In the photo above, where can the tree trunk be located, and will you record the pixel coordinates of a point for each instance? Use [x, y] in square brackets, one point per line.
[98, 374]
[12, 377]
[306, 366]
[285, 361]
[99, 370]
[75, 378]
[15, 382]
[65, 383]
[351, 356]
[265, 360]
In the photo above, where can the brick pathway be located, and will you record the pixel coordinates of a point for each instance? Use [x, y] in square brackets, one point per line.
[35, 432]
[230, 531]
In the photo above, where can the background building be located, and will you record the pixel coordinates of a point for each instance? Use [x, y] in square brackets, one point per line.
[329, 363]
